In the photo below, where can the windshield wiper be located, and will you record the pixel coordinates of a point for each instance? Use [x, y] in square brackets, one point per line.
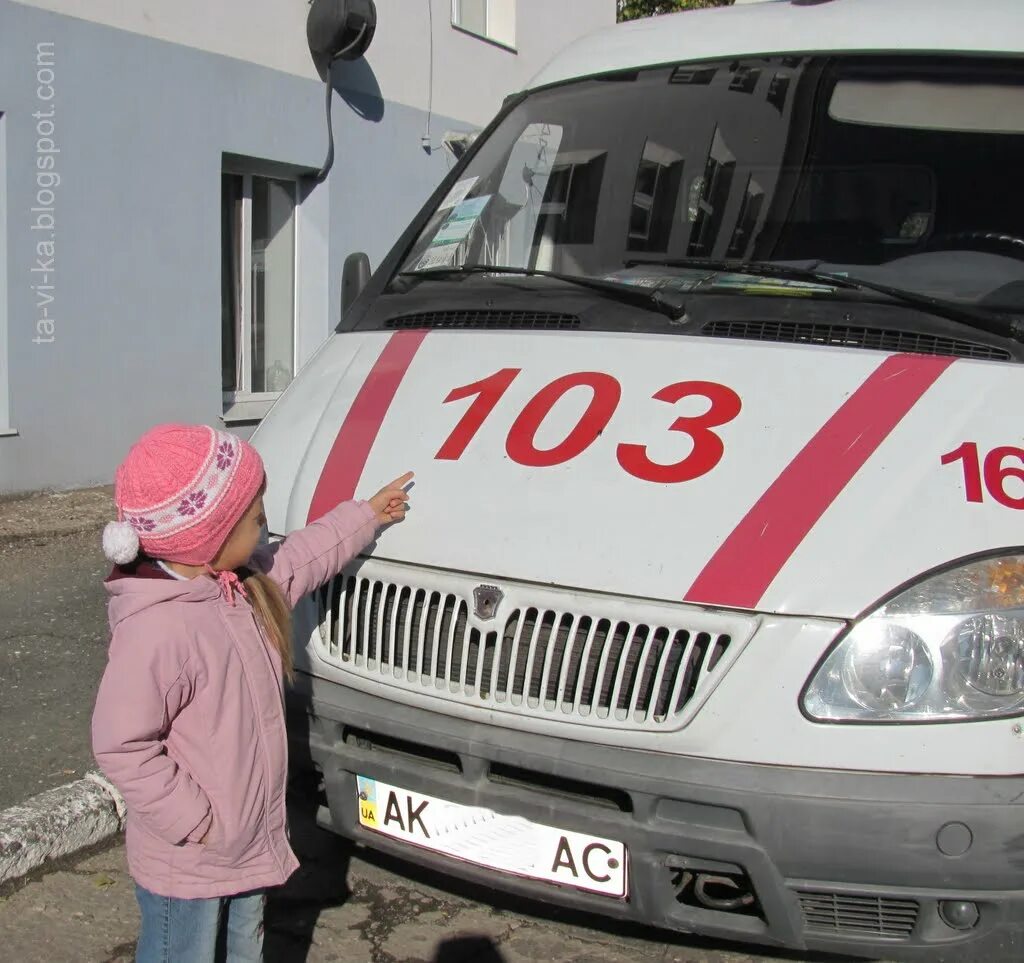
[651, 300]
[993, 322]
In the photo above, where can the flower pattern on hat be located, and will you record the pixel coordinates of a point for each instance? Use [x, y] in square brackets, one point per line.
[225, 452]
[192, 503]
[140, 523]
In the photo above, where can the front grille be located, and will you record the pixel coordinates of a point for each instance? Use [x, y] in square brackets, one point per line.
[583, 666]
[849, 336]
[494, 320]
[858, 915]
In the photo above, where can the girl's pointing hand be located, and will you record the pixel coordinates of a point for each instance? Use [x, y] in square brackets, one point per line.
[391, 502]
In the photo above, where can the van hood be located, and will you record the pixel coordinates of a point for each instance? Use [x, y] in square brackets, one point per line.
[778, 478]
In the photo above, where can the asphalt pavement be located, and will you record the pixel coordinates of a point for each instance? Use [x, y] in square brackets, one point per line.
[343, 904]
[53, 636]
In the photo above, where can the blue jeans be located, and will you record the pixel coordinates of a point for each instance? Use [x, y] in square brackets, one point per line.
[200, 930]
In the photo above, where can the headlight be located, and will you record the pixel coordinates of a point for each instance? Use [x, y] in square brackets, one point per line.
[949, 647]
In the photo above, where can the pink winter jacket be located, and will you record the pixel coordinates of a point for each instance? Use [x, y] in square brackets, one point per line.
[189, 718]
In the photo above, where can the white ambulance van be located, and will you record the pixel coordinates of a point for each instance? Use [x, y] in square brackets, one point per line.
[709, 612]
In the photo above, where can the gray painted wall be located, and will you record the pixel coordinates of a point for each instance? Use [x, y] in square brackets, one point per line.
[141, 125]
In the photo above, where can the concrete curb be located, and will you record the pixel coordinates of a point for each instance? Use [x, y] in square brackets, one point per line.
[58, 822]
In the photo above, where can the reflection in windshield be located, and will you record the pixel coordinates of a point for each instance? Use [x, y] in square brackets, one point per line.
[797, 159]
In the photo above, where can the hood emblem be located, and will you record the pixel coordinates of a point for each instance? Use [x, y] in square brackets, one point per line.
[486, 599]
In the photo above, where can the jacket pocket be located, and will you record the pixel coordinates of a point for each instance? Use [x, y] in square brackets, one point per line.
[231, 839]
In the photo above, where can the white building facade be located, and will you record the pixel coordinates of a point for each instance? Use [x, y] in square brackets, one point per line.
[165, 252]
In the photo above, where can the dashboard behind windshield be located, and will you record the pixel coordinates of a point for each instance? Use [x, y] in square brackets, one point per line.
[904, 169]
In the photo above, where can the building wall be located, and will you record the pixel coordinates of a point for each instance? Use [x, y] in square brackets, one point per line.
[272, 33]
[132, 106]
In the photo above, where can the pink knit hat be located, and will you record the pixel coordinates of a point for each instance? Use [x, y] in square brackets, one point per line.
[179, 492]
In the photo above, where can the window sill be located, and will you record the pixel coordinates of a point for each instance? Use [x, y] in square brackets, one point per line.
[8, 432]
[482, 36]
[241, 411]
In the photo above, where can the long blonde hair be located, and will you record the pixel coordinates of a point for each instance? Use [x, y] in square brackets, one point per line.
[273, 615]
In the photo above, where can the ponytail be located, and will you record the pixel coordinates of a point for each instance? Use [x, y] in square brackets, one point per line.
[273, 615]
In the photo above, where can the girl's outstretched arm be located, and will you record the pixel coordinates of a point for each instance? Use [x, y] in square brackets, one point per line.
[310, 556]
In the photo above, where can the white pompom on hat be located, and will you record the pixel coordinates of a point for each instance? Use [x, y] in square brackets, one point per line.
[120, 542]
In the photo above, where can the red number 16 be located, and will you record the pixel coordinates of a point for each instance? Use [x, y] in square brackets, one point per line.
[606, 392]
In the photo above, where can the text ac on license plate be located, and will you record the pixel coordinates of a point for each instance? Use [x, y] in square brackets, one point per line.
[510, 844]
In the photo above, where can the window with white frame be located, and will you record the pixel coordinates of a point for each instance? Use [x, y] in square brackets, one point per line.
[257, 286]
[493, 19]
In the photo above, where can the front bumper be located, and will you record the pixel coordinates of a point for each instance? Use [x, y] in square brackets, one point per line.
[845, 862]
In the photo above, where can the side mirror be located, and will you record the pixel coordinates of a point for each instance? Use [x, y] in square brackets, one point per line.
[355, 275]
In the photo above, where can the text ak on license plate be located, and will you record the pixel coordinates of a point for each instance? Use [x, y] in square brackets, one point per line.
[510, 844]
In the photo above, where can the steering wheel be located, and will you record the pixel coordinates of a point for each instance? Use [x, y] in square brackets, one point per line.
[995, 242]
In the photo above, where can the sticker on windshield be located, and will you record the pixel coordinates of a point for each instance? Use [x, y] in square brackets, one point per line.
[787, 286]
[449, 239]
[436, 257]
[640, 282]
[460, 222]
[458, 193]
[659, 281]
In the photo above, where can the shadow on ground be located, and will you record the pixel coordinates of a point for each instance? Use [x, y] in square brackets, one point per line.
[320, 882]
[535, 909]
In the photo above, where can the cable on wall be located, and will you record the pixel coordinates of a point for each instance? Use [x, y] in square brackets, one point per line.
[425, 139]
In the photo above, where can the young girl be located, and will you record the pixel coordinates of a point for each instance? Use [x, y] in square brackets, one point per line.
[189, 720]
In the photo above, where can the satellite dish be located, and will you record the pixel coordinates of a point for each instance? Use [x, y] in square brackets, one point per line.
[340, 29]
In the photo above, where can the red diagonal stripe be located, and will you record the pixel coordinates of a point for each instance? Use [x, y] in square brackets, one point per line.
[740, 572]
[347, 458]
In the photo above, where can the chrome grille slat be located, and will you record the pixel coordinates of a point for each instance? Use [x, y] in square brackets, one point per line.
[622, 668]
[641, 670]
[602, 669]
[404, 604]
[351, 618]
[379, 635]
[659, 676]
[524, 689]
[554, 652]
[443, 615]
[366, 590]
[588, 646]
[513, 660]
[491, 692]
[570, 661]
[465, 638]
[418, 626]
[431, 632]
[481, 664]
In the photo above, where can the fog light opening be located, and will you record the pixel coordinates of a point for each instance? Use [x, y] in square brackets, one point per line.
[719, 891]
[959, 914]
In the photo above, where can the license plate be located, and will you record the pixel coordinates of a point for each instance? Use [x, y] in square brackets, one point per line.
[510, 844]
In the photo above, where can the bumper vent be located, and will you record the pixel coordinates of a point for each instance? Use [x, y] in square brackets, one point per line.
[847, 915]
[492, 320]
[580, 666]
[846, 336]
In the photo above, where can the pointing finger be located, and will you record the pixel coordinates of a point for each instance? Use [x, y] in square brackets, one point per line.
[402, 480]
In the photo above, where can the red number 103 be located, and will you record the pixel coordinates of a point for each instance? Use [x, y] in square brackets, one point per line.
[606, 392]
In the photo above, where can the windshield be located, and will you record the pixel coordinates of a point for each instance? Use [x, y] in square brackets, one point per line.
[904, 170]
